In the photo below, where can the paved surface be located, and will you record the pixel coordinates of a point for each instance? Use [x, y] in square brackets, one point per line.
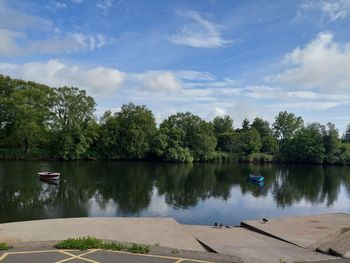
[96, 255]
[252, 246]
[304, 231]
[279, 240]
[163, 231]
[343, 260]
[340, 245]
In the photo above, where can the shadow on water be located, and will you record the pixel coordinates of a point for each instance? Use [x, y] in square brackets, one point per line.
[139, 188]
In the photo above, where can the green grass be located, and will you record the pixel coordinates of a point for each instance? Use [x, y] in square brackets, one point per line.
[4, 246]
[84, 243]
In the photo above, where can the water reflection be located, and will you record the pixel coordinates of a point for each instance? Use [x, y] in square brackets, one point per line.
[179, 190]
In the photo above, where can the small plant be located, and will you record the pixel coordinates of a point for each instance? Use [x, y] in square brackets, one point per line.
[84, 243]
[4, 246]
[81, 243]
[115, 246]
[175, 251]
[141, 249]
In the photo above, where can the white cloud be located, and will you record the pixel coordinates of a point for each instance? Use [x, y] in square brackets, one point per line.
[219, 111]
[168, 92]
[55, 5]
[333, 10]
[17, 43]
[198, 32]
[8, 41]
[195, 75]
[322, 64]
[104, 4]
[17, 30]
[306, 105]
[13, 19]
[157, 81]
[336, 10]
[97, 80]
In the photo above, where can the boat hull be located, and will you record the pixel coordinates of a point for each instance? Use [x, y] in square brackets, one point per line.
[256, 178]
[49, 176]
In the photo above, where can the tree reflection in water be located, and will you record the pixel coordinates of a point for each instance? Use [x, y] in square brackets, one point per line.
[128, 188]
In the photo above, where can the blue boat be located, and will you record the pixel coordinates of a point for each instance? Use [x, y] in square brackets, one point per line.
[256, 177]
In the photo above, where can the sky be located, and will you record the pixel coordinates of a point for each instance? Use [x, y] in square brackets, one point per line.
[245, 59]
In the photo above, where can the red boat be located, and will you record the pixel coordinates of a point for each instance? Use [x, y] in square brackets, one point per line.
[49, 175]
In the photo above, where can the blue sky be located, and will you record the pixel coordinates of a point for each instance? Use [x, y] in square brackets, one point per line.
[241, 58]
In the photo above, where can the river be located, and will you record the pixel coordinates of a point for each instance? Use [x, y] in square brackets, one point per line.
[191, 193]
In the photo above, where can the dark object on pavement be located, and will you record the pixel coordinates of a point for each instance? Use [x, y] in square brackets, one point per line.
[265, 220]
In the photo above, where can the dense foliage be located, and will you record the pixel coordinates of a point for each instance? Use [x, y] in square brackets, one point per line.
[37, 121]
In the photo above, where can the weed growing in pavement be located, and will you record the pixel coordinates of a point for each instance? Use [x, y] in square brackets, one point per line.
[84, 243]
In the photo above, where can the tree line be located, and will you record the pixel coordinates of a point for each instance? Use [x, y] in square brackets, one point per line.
[38, 121]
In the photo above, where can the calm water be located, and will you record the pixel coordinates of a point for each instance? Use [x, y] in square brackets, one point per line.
[191, 193]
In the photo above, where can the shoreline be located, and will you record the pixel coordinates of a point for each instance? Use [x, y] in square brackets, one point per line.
[169, 162]
[287, 238]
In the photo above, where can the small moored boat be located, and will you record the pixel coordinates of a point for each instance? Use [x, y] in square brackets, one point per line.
[256, 177]
[49, 175]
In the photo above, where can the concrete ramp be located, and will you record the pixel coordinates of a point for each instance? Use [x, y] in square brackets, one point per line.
[303, 231]
[340, 245]
[163, 231]
[251, 246]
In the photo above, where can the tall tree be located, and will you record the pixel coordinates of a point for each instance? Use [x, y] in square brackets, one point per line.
[306, 145]
[331, 143]
[223, 124]
[250, 141]
[74, 125]
[245, 125]
[197, 134]
[346, 136]
[263, 127]
[286, 124]
[136, 129]
[24, 112]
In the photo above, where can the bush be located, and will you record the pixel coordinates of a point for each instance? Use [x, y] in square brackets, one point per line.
[84, 243]
[4, 246]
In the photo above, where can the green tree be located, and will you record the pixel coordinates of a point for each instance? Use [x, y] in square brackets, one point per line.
[137, 127]
[170, 145]
[306, 145]
[24, 112]
[196, 134]
[346, 135]
[245, 125]
[263, 127]
[331, 143]
[286, 124]
[250, 141]
[107, 145]
[74, 126]
[223, 124]
[344, 155]
[269, 144]
[228, 142]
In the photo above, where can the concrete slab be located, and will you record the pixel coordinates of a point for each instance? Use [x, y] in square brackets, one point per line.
[163, 231]
[303, 231]
[339, 245]
[157, 254]
[251, 246]
[346, 255]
